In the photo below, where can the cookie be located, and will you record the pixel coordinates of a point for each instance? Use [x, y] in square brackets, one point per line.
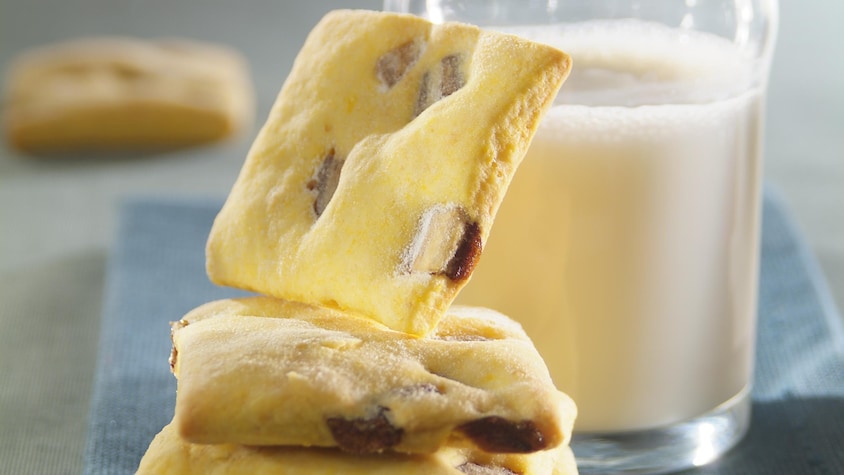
[114, 93]
[265, 371]
[373, 185]
[172, 455]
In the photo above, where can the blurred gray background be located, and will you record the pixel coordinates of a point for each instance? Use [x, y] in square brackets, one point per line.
[57, 216]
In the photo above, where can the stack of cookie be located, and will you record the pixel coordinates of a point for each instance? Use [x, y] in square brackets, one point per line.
[360, 212]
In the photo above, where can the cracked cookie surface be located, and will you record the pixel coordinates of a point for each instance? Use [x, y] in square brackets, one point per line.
[265, 371]
[384, 120]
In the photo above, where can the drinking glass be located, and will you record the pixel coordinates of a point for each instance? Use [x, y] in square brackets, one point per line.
[628, 243]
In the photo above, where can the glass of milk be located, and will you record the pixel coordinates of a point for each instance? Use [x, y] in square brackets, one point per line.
[628, 243]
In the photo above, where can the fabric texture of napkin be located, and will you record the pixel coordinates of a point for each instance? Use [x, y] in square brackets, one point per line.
[157, 274]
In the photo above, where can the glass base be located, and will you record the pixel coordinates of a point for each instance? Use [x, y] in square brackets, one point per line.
[666, 449]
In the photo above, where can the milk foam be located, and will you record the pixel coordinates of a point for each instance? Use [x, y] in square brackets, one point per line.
[631, 62]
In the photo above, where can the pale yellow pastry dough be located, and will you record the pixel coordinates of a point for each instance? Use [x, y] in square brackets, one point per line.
[264, 371]
[374, 182]
[168, 454]
[117, 93]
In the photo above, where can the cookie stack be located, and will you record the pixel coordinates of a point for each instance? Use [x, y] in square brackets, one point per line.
[359, 214]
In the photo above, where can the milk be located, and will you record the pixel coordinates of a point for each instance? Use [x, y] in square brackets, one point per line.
[627, 245]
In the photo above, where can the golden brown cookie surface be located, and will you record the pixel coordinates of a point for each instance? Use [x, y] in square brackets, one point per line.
[171, 455]
[263, 371]
[115, 93]
[374, 182]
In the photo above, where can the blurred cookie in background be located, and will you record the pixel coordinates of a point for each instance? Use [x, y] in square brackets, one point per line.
[117, 94]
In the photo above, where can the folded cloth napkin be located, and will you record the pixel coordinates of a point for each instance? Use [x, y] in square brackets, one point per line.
[157, 273]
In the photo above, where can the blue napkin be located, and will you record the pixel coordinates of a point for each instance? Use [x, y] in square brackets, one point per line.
[157, 274]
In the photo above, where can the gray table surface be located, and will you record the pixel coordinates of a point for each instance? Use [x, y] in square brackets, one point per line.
[57, 217]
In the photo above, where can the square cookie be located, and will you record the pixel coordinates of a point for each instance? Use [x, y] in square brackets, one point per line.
[373, 185]
[170, 454]
[116, 93]
[264, 371]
